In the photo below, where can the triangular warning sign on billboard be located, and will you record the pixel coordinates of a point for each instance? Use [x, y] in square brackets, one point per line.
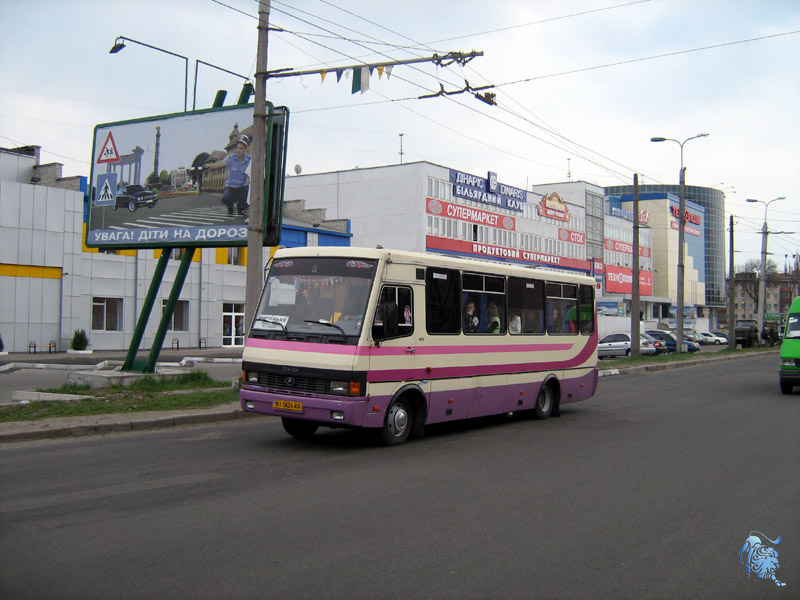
[109, 152]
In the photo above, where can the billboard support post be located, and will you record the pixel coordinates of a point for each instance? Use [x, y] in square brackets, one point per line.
[130, 363]
[169, 309]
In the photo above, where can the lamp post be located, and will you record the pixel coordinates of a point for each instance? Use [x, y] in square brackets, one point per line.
[119, 44]
[762, 282]
[199, 62]
[681, 227]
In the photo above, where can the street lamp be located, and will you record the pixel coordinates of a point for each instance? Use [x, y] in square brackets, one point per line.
[762, 283]
[119, 44]
[681, 227]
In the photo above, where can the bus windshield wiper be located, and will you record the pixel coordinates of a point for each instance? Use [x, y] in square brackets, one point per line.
[328, 323]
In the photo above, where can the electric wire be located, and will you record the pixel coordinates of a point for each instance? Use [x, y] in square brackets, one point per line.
[546, 129]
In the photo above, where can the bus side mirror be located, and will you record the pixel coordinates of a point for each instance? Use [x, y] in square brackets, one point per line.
[387, 318]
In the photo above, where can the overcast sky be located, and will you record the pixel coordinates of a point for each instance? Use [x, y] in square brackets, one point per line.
[581, 87]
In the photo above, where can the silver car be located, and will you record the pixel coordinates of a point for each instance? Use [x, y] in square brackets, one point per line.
[619, 344]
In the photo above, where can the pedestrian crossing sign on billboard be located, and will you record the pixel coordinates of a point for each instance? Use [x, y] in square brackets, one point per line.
[106, 190]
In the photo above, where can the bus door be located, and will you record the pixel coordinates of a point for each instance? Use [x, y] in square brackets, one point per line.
[400, 351]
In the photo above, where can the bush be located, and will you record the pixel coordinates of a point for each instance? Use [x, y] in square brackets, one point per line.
[80, 341]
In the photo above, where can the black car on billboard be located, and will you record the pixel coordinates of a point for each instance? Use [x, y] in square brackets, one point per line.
[133, 196]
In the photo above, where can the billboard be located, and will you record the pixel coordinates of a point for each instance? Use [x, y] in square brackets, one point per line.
[177, 180]
[619, 280]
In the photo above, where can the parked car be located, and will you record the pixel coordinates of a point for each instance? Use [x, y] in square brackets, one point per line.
[712, 338]
[133, 196]
[695, 336]
[661, 347]
[671, 341]
[619, 344]
[721, 334]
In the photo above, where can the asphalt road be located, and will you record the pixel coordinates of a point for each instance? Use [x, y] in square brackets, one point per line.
[648, 490]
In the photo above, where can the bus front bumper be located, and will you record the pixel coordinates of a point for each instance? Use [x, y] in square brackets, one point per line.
[789, 375]
[326, 410]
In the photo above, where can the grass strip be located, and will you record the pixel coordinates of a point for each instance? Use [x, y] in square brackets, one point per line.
[191, 390]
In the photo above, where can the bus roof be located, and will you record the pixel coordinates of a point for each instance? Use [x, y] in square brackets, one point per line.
[438, 260]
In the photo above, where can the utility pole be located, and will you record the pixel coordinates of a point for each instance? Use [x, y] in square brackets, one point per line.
[401, 147]
[255, 222]
[762, 282]
[731, 297]
[681, 269]
[635, 323]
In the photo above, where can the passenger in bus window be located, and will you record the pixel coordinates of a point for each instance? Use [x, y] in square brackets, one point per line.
[407, 315]
[554, 321]
[514, 324]
[470, 318]
[494, 318]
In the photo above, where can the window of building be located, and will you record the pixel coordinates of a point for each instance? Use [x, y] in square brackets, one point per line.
[232, 324]
[107, 314]
[179, 321]
[236, 255]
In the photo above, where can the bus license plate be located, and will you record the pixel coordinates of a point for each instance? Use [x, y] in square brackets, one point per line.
[288, 405]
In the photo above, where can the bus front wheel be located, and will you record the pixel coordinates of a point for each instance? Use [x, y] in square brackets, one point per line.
[299, 429]
[544, 403]
[397, 424]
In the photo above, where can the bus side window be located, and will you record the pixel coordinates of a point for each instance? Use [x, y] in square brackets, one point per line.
[525, 306]
[404, 299]
[442, 300]
[570, 304]
[562, 308]
[587, 310]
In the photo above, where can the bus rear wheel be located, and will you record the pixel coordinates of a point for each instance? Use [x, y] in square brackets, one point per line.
[299, 429]
[397, 424]
[544, 403]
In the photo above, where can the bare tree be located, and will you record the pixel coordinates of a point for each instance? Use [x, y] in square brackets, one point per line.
[749, 274]
[753, 265]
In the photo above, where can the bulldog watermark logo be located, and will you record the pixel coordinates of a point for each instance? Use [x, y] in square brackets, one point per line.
[759, 558]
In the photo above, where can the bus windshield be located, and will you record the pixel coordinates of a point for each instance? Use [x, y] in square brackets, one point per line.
[317, 296]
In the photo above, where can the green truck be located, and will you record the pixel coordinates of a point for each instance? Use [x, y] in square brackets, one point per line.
[747, 334]
[789, 373]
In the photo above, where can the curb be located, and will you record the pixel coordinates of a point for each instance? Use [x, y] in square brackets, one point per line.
[132, 425]
[676, 365]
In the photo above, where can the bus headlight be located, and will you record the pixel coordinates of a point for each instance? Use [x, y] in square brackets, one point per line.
[340, 387]
[351, 388]
[252, 377]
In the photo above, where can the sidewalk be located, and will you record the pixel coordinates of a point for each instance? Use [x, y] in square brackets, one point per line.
[61, 427]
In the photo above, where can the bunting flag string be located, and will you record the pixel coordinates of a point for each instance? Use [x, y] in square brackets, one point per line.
[360, 75]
